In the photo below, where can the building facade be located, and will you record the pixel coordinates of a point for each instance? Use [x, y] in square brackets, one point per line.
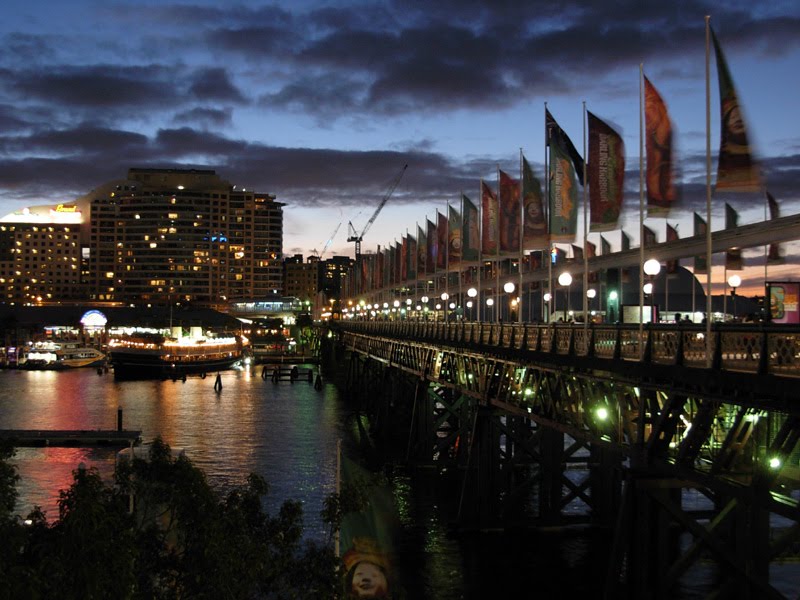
[182, 236]
[40, 255]
[301, 277]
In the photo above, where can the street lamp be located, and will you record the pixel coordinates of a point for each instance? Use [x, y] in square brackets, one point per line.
[546, 297]
[490, 304]
[734, 281]
[445, 297]
[565, 280]
[473, 293]
[509, 288]
[590, 294]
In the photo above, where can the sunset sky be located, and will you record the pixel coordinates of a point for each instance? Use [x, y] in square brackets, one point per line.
[322, 103]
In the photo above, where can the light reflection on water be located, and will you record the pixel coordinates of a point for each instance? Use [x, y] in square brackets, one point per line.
[286, 433]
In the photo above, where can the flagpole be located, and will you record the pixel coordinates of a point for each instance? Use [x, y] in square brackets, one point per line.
[521, 227]
[709, 344]
[641, 212]
[550, 309]
[461, 264]
[447, 263]
[585, 229]
[497, 304]
[481, 299]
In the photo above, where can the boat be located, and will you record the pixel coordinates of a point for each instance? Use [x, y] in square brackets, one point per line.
[62, 355]
[158, 356]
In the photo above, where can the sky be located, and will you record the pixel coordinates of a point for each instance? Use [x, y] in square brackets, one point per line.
[322, 103]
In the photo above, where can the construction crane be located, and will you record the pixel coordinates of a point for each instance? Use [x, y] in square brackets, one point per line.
[328, 242]
[353, 236]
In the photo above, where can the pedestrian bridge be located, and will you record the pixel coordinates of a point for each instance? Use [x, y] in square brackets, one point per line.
[683, 439]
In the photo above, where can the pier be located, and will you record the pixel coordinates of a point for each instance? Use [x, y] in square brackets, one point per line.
[66, 438]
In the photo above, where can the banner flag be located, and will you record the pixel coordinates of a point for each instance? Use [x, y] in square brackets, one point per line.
[563, 195]
[412, 258]
[774, 256]
[422, 251]
[470, 232]
[454, 230]
[658, 141]
[430, 258]
[625, 241]
[672, 235]
[605, 246]
[534, 225]
[489, 218]
[404, 259]
[737, 171]
[606, 175]
[556, 135]
[700, 261]
[535, 262]
[733, 256]
[591, 252]
[441, 241]
[649, 236]
[510, 213]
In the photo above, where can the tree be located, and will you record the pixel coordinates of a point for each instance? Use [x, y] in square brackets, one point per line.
[182, 540]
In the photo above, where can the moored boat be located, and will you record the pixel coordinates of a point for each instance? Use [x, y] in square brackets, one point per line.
[62, 355]
[155, 356]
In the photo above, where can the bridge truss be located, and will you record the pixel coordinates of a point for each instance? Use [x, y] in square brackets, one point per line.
[627, 428]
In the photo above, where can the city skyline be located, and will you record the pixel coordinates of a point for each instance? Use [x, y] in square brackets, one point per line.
[321, 104]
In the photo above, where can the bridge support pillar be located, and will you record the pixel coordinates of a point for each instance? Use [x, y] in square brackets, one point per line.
[551, 446]
[605, 478]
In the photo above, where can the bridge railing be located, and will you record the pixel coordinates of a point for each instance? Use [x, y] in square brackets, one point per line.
[761, 349]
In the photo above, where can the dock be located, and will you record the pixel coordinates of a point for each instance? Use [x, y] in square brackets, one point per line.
[66, 438]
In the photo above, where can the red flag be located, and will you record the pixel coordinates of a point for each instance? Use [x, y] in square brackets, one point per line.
[658, 136]
[441, 241]
[606, 174]
[672, 235]
[510, 214]
[489, 221]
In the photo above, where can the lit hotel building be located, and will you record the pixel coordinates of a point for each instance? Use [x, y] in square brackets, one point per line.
[160, 236]
[183, 236]
[40, 255]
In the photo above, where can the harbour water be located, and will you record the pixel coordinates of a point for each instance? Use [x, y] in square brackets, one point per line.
[288, 434]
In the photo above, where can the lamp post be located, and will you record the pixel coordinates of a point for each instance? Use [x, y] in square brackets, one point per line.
[547, 297]
[734, 281]
[473, 293]
[424, 300]
[565, 280]
[509, 288]
[590, 294]
[445, 296]
[490, 304]
[651, 268]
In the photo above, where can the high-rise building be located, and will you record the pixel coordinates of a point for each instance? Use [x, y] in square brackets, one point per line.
[40, 255]
[332, 273]
[183, 236]
[301, 277]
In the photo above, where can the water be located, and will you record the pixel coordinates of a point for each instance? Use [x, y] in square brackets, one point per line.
[288, 434]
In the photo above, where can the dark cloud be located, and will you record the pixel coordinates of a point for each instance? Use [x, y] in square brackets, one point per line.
[214, 84]
[212, 117]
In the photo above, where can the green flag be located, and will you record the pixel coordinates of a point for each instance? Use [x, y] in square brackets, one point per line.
[563, 193]
[470, 231]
